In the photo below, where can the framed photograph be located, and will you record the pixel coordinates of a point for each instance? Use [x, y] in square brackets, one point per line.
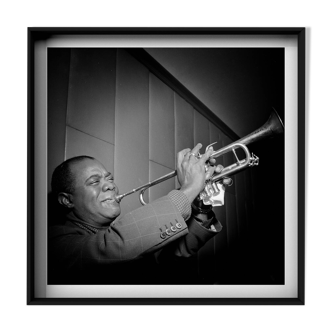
[127, 204]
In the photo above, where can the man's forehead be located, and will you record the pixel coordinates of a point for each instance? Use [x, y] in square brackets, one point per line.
[88, 167]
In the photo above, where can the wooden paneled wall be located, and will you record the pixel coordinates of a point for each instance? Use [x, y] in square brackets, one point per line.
[106, 104]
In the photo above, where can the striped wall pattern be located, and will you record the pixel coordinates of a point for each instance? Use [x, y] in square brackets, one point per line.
[106, 104]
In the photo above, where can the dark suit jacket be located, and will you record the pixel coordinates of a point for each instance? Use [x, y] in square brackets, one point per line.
[81, 254]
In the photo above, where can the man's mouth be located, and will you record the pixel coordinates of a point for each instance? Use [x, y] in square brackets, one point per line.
[108, 201]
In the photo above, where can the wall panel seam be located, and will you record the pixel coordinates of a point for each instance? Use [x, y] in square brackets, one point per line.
[66, 121]
[149, 127]
[100, 139]
[115, 98]
[161, 164]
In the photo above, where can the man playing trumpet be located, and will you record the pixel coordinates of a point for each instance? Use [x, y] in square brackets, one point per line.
[94, 246]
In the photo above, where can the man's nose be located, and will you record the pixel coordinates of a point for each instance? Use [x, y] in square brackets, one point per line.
[108, 186]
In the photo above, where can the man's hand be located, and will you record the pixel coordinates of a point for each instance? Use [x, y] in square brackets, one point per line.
[191, 171]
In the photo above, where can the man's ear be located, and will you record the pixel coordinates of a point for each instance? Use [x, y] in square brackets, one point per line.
[65, 200]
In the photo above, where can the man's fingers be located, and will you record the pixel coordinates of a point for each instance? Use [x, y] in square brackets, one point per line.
[212, 161]
[184, 151]
[182, 154]
[192, 154]
[210, 172]
[219, 168]
[196, 148]
[206, 155]
[227, 181]
[214, 169]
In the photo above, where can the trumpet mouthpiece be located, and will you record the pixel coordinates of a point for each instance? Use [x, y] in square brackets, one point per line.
[118, 198]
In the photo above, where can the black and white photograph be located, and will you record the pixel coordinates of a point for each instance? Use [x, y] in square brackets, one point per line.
[120, 119]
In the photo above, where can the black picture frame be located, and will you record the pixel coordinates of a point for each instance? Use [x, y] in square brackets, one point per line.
[42, 34]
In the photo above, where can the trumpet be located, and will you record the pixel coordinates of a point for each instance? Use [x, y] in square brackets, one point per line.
[272, 127]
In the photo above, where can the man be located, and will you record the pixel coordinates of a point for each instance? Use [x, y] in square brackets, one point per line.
[96, 247]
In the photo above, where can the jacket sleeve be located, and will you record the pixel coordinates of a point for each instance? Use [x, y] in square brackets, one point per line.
[144, 230]
[189, 244]
[197, 236]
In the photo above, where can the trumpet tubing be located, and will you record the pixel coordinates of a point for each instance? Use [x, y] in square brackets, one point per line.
[272, 127]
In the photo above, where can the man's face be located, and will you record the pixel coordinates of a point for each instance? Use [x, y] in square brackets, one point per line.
[93, 197]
